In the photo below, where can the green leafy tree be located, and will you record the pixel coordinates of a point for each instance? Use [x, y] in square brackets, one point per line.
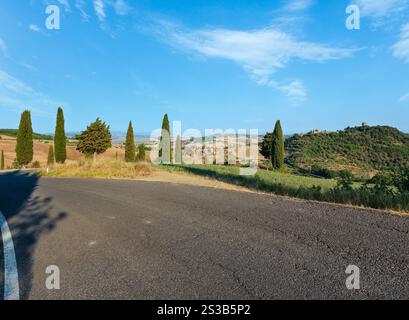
[60, 141]
[345, 181]
[401, 180]
[96, 139]
[24, 146]
[2, 164]
[277, 147]
[141, 153]
[50, 158]
[165, 151]
[266, 144]
[130, 148]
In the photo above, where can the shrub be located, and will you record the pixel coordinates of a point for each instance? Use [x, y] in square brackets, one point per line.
[141, 153]
[345, 180]
[36, 165]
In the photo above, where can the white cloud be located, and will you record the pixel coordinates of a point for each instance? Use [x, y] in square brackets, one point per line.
[99, 8]
[35, 28]
[66, 5]
[381, 8]
[121, 7]
[297, 5]
[404, 98]
[3, 47]
[80, 4]
[260, 52]
[401, 48]
[294, 90]
[18, 95]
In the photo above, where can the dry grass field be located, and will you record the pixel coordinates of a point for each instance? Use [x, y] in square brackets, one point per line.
[8, 145]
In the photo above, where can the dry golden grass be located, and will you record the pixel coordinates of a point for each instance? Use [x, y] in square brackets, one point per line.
[8, 145]
[100, 168]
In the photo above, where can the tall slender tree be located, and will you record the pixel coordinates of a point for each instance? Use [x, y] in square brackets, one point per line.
[2, 164]
[277, 147]
[60, 141]
[130, 148]
[24, 146]
[165, 151]
[50, 159]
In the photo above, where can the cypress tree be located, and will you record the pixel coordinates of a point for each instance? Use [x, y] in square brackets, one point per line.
[50, 159]
[2, 165]
[130, 148]
[24, 146]
[165, 151]
[141, 153]
[277, 147]
[59, 138]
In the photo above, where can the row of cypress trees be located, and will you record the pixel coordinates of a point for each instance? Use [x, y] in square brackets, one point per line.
[24, 146]
[130, 148]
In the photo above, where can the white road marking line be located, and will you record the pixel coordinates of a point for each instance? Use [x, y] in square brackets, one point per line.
[11, 286]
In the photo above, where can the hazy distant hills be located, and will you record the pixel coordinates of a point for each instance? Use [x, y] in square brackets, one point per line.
[364, 150]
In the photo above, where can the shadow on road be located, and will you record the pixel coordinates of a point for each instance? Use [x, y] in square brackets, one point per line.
[29, 216]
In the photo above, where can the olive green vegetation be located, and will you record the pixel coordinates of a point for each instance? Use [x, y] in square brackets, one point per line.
[37, 136]
[2, 164]
[96, 139]
[277, 147]
[165, 151]
[130, 148]
[141, 156]
[60, 140]
[50, 158]
[364, 150]
[342, 190]
[24, 146]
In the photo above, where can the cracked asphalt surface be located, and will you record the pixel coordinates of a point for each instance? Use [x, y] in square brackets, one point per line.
[116, 239]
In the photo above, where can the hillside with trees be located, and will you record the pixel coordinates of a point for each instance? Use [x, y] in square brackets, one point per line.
[363, 150]
[13, 133]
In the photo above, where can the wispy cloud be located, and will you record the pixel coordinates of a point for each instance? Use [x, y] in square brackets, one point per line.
[34, 27]
[80, 5]
[297, 5]
[295, 90]
[99, 8]
[18, 95]
[3, 47]
[66, 5]
[401, 48]
[260, 52]
[121, 7]
[404, 98]
[381, 8]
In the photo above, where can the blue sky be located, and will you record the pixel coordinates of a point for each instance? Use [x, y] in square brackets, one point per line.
[211, 64]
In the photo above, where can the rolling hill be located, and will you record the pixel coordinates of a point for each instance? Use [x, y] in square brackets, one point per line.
[364, 150]
[13, 133]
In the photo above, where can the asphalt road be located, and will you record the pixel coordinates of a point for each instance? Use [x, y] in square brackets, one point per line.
[149, 240]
